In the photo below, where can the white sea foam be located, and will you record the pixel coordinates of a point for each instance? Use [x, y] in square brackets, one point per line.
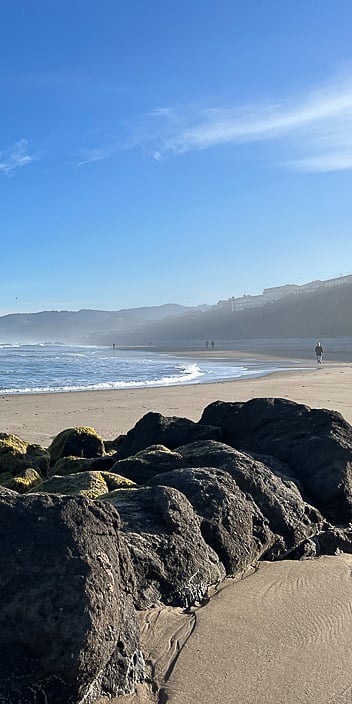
[36, 369]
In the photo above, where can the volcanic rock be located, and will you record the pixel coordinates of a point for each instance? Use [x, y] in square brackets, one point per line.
[156, 429]
[290, 517]
[145, 464]
[315, 443]
[231, 523]
[172, 561]
[68, 630]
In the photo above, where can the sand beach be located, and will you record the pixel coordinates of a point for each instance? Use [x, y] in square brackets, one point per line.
[279, 634]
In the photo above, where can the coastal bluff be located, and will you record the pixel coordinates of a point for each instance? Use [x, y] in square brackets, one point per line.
[95, 531]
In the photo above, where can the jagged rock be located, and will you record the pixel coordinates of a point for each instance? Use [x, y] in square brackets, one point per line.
[16, 455]
[145, 464]
[315, 443]
[156, 429]
[231, 523]
[68, 630]
[290, 517]
[172, 561]
[79, 442]
[88, 484]
[23, 482]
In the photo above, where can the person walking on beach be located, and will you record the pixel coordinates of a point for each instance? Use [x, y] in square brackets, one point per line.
[212, 344]
[319, 353]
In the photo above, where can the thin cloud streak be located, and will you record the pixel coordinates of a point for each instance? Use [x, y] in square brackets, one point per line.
[319, 122]
[91, 155]
[15, 157]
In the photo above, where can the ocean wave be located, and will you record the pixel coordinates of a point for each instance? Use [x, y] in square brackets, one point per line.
[188, 374]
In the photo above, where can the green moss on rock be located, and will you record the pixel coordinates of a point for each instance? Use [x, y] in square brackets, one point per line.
[88, 484]
[16, 455]
[70, 465]
[115, 481]
[23, 482]
[119, 496]
[79, 442]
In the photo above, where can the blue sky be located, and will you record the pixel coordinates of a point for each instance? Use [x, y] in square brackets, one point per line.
[172, 150]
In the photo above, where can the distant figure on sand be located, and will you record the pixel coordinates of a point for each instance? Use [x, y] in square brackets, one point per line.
[212, 344]
[113, 345]
[207, 343]
[319, 352]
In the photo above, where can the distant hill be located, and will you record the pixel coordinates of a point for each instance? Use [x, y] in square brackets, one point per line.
[325, 313]
[83, 326]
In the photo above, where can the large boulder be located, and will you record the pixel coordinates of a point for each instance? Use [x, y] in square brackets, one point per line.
[172, 562]
[315, 443]
[278, 497]
[17, 455]
[156, 429]
[80, 442]
[68, 630]
[230, 521]
[145, 464]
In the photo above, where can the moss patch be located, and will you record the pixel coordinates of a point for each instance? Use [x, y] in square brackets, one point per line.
[23, 482]
[89, 484]
[78, 442]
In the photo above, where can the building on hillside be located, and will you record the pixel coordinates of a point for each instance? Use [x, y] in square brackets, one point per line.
[274, 293]
[246, 302]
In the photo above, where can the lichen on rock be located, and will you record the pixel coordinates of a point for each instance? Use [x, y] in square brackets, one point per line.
[80, 442]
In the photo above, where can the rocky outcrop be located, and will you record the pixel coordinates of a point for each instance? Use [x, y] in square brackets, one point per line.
[315, 443]
[79, 442]
[16, 455]
[145, 464]
[278, 497]
[230, 521]
[156, 429]
[68, 630]
[172, 562]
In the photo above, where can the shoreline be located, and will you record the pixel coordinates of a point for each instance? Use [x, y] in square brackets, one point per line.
[37, 418]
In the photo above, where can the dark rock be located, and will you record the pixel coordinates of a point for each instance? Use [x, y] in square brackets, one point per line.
[79, 442]
[290, 517]
[231, 523]
[71, 465]
[315, 443]
[68, 630]
[145, 464]
[16, 455]
[172, 562]
[156, 429]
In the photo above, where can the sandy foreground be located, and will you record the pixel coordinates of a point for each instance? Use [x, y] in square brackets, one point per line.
[280, 635]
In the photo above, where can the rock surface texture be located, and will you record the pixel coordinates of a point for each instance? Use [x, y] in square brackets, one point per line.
[157, 515]
[68, 630]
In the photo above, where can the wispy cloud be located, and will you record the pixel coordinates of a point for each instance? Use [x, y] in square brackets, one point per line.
[316, 127]
[15, 157]
[89, 155]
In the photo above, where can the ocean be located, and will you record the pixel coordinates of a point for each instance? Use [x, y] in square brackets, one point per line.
[44, 368]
